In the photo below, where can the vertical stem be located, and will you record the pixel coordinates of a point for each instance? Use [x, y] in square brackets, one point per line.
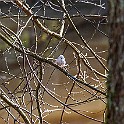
[37, 94]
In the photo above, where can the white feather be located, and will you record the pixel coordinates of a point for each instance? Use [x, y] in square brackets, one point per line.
[60, 61]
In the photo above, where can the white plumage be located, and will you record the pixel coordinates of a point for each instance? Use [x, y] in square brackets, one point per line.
[60, 61]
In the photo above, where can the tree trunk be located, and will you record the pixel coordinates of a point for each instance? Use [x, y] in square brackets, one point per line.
[115, 84]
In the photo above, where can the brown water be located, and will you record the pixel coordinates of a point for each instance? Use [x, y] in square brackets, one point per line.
[61, 85]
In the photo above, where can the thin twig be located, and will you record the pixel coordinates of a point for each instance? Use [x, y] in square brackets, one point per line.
[39, 58]
[14, 106]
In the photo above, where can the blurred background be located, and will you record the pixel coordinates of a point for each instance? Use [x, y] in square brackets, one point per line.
[90, 18]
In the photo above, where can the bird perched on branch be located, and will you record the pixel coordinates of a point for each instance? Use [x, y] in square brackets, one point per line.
[60, 61]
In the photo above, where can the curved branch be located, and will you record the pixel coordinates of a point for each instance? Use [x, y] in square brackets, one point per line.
[81, 37]
[39, 58]
[15, 106]
[46, 30]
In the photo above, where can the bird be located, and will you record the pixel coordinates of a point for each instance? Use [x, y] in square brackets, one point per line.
[60, 61]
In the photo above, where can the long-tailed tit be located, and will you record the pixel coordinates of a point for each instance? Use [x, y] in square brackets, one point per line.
[60, 61]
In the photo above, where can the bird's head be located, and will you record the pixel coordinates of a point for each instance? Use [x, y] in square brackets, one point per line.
[61, 57]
